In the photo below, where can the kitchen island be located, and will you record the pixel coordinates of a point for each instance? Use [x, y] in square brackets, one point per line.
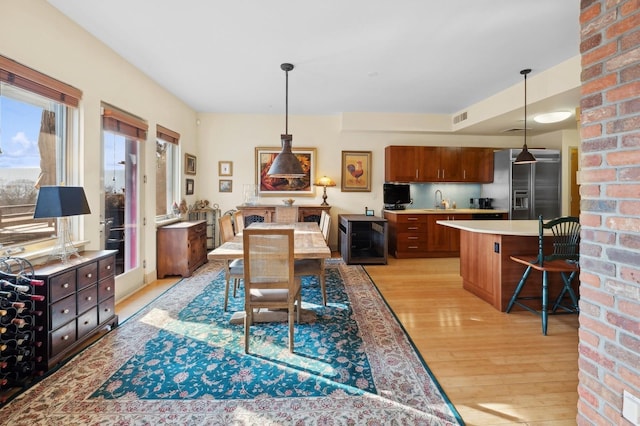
[485, 266]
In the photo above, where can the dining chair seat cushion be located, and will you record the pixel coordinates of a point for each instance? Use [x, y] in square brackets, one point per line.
[268, 295]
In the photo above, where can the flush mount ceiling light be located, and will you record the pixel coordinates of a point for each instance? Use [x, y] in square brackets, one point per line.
[525, 156]
[552, 117]
[286, 164]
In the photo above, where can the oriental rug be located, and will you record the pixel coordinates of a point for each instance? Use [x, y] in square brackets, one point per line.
[180, 361]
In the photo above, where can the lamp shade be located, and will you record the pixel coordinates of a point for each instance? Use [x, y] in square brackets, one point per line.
[325, 181]
[61, 201]
[286, 164]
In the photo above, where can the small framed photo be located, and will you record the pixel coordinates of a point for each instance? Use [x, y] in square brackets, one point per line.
[356, 171]
[368, 211]
[189, 187]
[189, 164]
[225, 168]
[225, 185]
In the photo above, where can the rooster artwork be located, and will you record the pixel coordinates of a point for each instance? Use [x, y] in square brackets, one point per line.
[356, 174]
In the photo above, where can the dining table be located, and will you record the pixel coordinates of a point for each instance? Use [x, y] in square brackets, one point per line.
[308, 243]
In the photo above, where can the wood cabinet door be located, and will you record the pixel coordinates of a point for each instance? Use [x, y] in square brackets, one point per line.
[437, 235]
[401, 163]
[477, 164]
[450, 167]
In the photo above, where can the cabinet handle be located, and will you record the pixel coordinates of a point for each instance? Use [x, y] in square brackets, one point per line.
[65, 311]
[65, 285]
[417, 174]
[412, 218]
[412, 228]
[109, 288]
[464, 174]
[89, 275]
[413, 247]
[66, 337]
[89, 298]
[412, 238]
[108, 267]
[107, 310]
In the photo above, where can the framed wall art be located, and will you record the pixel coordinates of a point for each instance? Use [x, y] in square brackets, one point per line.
[190, 186]
[225, 168]
[225, 185]
[356, 171]
[280, 186]
[189, 164]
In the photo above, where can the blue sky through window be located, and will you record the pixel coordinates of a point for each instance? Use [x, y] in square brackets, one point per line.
[19, 130]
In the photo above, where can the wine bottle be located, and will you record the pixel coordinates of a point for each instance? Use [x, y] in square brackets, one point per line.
[21, 297]
[19, 335]
[6, 285]
[4, 303]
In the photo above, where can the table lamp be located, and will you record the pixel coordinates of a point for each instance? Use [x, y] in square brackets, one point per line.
[325, 181]
[60, 202]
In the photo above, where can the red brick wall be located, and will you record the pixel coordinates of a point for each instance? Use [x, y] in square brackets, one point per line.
[609, 350]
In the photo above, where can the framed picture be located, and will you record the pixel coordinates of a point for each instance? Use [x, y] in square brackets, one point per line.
[189, 187]
[190, 164]
[225, 185]
[356, 171]
[280, 186]
[225, 168]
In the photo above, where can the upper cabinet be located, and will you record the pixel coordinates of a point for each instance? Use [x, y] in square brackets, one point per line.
[438, 164]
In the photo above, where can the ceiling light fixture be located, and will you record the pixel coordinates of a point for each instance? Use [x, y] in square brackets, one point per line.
[286, 164]
[552, 117]
[525, 156]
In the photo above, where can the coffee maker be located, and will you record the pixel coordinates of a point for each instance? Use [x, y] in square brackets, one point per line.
[480, 203]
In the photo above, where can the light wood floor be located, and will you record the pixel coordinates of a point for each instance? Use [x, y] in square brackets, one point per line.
[496, 368]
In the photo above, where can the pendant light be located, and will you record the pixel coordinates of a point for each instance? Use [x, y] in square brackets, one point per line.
[525, 156]
[286, 164]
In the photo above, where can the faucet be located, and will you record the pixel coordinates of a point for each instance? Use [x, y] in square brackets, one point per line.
[438, 203]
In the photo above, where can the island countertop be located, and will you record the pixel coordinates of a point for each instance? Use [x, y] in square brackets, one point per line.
[522, 228]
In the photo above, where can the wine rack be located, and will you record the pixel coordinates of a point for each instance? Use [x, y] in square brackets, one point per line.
[18, 325]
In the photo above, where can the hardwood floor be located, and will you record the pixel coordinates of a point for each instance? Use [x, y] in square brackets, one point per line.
[496, 368]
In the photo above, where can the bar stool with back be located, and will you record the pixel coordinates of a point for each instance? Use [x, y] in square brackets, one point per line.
[564, 233]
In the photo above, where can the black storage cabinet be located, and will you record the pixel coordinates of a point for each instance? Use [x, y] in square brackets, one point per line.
[362, 239]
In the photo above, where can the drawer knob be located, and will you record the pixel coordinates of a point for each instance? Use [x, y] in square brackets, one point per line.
[89, 298]
[65, 311]
[86, 322]
[66, 337]
[109, 288]
[108, 267]
[107, 310]
[65, 285]
[89, 275]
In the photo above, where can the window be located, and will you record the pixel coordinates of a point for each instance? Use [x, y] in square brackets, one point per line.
[36, 133]
[167, 172]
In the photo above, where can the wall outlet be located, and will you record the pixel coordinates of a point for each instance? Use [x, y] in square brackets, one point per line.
[631, 408]
[496, 247]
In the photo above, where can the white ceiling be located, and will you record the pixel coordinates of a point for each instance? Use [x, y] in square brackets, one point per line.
[402, 56]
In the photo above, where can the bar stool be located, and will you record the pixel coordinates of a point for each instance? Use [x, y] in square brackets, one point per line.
[565, 235]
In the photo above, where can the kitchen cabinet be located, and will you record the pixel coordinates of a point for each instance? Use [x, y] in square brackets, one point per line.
[181, 248]
[79, 301]
[438, 164]
[407, 234]
[362, 239]
[443, 241]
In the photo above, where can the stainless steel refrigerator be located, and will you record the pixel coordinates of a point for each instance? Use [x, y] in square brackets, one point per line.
[526, 190]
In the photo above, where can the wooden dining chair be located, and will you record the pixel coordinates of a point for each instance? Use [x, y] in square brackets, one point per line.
[269, 281]
[286, 214]
[238, 221]
[560, 256]
[234, 269]
[315, 267]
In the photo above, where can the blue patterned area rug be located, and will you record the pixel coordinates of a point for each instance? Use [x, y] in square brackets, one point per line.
[180, 361]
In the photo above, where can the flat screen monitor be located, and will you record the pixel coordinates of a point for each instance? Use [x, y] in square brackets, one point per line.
[395, 194]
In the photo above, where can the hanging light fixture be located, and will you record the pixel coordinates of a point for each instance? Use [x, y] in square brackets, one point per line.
[525, 156]
[286, 164]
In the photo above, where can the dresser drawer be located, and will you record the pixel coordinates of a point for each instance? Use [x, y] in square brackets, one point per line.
[106, 289]
[87, 275]
[62, 338]
[87, 322]
[87, 298]
[411, 245]
[62, 285]
[106, 267]
[62, 311]
[106, 310]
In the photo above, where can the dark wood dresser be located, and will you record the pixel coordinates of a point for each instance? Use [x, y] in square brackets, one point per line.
[79, 302]
[182, 248]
